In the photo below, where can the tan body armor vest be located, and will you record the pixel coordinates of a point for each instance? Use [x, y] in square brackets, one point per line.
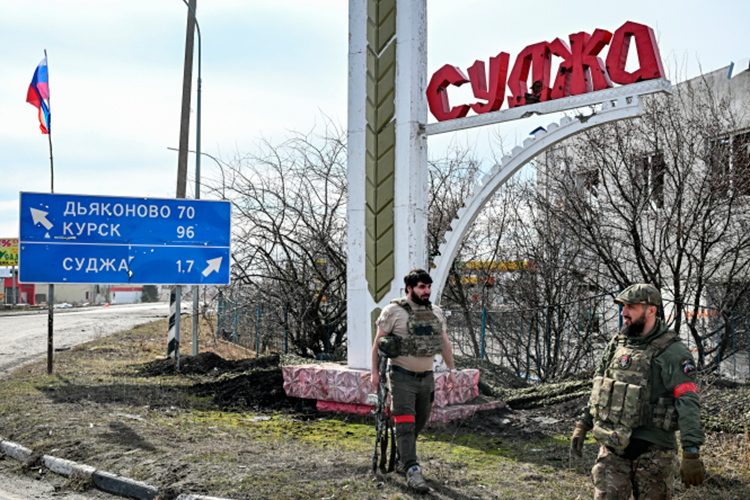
[425, 332]
[620, 400]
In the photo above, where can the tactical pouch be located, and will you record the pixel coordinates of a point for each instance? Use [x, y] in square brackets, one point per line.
[618, 401]
[605, 397]
[663, 415]
[595, 391]
[390, 345]
[614, 436]
[631, 414]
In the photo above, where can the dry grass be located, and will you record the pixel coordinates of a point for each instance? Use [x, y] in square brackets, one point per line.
[95, 410]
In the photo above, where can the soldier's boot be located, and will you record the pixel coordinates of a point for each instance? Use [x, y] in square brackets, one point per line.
[415, 480]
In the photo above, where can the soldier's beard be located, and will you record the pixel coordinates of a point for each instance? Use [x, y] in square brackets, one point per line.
[635, 328]
[417, 300]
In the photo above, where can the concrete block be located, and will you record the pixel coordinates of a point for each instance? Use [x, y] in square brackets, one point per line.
[16, 451]
[112, 483]
[67, 467]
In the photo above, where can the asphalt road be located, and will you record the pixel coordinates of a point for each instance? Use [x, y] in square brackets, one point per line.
[23, 336]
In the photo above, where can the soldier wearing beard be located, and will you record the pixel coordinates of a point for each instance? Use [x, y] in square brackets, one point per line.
[634, 326]
[419, 331]
[644, 390]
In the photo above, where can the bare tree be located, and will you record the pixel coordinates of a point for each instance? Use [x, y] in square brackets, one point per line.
[516, 262]
[289, 235]
[558, 302]
[663, 199]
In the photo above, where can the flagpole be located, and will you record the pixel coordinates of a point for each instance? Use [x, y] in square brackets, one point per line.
[49, 132]
[51, 287]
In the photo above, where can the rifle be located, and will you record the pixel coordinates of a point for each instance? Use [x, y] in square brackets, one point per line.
[383, 421]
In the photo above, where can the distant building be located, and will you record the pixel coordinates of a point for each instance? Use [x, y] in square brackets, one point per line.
[74, 294]
[125, 294]
[725, 157]
[23, 293]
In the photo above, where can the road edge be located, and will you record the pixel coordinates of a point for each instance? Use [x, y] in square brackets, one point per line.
[105, 481]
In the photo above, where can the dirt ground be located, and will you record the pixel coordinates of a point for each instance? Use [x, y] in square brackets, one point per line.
[223, 426]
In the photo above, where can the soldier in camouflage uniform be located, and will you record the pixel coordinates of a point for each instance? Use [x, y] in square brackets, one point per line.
[644, 390]
[411, 331]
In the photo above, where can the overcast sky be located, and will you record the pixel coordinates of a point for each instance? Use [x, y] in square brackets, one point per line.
[269, 67]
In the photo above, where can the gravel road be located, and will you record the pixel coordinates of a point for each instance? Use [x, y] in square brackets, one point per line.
[24, 335]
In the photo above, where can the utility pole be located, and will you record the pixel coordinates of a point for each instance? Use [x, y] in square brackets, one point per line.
[187, 80]
[173, 345]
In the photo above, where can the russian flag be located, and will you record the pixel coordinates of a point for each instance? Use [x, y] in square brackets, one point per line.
[38, 95]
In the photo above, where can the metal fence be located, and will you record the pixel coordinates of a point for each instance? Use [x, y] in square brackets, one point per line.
[726, 341]
[560, 339]
[246, 321]
[540, 343]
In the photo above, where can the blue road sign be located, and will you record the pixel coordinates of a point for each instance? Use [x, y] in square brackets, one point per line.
[95, 239]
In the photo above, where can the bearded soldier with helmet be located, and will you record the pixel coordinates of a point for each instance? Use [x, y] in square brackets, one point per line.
[644, 390]
[411, 331]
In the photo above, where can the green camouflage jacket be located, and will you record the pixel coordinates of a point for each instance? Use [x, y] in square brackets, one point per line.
[673, 376]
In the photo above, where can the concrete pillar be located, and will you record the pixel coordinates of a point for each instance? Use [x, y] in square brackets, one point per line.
[387, 164]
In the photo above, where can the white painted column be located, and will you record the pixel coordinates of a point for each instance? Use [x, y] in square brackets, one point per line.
[411, 175]
[359, 301]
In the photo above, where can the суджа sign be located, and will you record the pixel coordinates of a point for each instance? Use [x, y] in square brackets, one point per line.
[581, 71]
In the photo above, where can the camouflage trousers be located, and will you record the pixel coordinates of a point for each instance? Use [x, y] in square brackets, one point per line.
[649, 477]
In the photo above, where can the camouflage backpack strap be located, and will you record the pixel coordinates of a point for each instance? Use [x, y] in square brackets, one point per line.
[619, 341]
[661, 343]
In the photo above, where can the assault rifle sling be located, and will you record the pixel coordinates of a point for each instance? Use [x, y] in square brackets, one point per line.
[383, 421]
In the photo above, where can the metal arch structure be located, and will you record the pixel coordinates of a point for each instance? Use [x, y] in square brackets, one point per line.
[621, 106]
[387, 172]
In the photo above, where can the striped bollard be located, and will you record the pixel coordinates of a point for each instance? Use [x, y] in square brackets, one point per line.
[173, 336]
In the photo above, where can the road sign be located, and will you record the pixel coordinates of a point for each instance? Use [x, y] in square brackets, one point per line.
[95, 239]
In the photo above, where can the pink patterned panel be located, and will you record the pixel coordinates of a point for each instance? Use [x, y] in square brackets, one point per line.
[345, 385]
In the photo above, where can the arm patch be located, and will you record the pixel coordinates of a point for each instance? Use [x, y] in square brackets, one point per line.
[688, 366]
[684, 389]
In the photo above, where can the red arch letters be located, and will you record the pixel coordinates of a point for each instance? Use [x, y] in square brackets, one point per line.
[581, 70]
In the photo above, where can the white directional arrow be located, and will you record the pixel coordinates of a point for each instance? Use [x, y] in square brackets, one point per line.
[40, 217]
[213, 265]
